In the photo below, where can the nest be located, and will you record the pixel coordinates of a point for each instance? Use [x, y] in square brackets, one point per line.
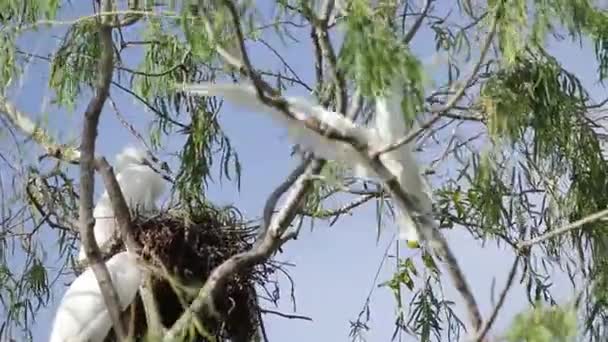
[188, 246]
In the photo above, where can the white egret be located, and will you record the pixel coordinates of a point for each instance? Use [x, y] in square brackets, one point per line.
[389, 125]
[82, 314]
[141, 187]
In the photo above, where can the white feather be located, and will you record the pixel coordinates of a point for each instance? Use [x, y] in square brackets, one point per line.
[244, 95]
[141, 187]
[239, 94]
[82, 314]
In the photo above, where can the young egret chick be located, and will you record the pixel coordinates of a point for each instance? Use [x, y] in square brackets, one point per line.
[390, 125]
[141, 187]
[82, 314]
[245, 96]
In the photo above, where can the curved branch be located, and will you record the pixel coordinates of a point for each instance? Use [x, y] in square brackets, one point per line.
[87, 169]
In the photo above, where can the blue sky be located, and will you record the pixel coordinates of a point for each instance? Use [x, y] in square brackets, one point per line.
[335, 266]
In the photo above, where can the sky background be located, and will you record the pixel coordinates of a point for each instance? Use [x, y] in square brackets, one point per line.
[335, 266]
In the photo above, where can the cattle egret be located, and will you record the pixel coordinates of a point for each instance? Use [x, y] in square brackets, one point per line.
[82, 314]
[388, 127]
[141, 187]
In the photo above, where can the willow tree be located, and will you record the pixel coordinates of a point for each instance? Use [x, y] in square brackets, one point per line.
[528, 174]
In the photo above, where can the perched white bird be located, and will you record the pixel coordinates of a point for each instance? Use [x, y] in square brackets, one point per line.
[141, 187]
[390, 126]
[82, 314]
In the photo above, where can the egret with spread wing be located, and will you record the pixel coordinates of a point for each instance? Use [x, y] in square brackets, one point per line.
[389, 125]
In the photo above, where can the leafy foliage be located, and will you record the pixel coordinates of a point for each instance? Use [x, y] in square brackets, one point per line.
[544, 324]
[373, 55]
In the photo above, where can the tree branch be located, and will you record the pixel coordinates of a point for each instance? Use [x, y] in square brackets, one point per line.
[523, 245]
[87, 168]
[414, 29]
[284, 315]
[501, 300]
[274, 197]
[23, 123]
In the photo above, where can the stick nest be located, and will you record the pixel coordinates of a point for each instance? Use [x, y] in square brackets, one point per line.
[185, 246]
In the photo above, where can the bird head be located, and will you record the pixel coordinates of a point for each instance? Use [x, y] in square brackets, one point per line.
[129, 156]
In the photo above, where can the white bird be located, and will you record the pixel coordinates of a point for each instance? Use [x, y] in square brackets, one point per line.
[82, 314]
[141, 187]
[390, 126]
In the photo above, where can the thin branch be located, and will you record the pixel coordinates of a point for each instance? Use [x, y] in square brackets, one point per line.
[501, 300]
[284, 315]
[129, 19]
[329, 54]
[87, 169]
[418, 23]
[523, 245]
[151, 107]
[296, 78]
[274, 197]
[23, 123]
[169, 70]
[455, 98]
[343, 209]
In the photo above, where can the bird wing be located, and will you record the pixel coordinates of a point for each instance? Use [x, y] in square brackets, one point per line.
[390, 126]
[240, 94]
[245, 96]
[82, 314]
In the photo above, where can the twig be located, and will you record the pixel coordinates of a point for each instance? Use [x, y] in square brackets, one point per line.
[87, 169]
[414, 29]
[284, 315]
[329, 54]
[501, 300]
[274, 197]
[437, 113]
[559, 231]
[343, 209]
[22, 122]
